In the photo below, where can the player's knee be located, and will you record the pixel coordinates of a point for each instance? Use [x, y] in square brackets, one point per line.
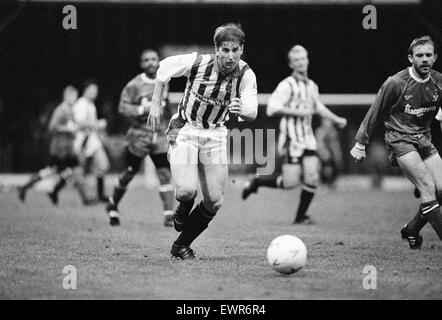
[312, 179]
[185, 192]
[290, 182]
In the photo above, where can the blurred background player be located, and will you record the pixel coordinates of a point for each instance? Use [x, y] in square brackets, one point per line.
[407, 103]
[296, 100]
[135, 103]
[218, 84]
[63, 160]
[87, 144]
[329, 151]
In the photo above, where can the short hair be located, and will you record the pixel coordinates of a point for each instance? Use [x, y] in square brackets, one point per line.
[420, 41]
[88, 83]
[229, 32]
[297, 48]
[69, 89]
[148, 50]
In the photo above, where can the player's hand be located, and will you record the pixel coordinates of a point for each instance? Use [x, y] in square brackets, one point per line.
[154, 117]
[145, 106]
[358, 154]
[341, 123]
[235, 106]
[102, 124]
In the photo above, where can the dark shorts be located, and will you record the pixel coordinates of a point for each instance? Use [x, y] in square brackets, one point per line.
[297, 160]
[134, 161]
[64, 163]
[140, 141]
[399, 144]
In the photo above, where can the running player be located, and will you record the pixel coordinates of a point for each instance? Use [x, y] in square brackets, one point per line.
[135, 102]
[87, 144]
[218, 85]
[407, 103]
[296, 100]
[63, 161]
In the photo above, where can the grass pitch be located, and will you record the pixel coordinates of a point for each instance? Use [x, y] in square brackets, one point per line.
[354, 229]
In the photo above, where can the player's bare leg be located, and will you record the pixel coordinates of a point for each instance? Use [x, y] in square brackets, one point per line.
[415, 170]
[290, 178]
[101, 165]
[40, 175]
[183, 160]
[132, 166]
[167, 194]
[310, 166]
[213, 173]
[434, 166]
[64, 175]
[79, 184]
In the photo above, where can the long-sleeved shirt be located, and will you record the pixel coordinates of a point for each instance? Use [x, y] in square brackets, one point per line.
[209, 91]
[405, 103]
[139, 88]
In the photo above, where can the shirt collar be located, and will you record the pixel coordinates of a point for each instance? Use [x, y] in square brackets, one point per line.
[416, 78]
[146, 79]
[300, 77]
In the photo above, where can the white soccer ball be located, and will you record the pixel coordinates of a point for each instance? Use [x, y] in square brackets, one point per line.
[287, 254]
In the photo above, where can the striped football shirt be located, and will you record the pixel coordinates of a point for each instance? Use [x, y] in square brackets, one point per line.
[296, 94]
[208, 91]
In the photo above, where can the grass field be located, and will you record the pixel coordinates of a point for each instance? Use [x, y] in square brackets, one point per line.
[354, 229]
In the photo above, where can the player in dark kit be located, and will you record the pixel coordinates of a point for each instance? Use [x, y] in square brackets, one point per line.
[63, 161]
[407, 103]
[135, 103]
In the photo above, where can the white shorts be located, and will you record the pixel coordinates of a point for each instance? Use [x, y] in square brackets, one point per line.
[295, 150]
[192, 145]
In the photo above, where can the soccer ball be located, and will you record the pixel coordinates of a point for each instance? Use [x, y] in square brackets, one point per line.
[287, 254]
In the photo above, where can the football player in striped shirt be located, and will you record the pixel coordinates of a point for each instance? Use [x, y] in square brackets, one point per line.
[218, 85]
[407, 102]
[296, 100]
[141, 141]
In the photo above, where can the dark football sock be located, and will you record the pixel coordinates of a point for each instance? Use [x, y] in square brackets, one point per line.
[268, 181]
[100, 188]
[184, 207]
[60, 185]
[197, 222]
[119, 192]
[307, 194]
[32, 181]
[433, 215]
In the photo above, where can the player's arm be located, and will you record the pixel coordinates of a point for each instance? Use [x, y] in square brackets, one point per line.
[247, 105]
[126, 106]
[171, 67]
[385, 98]
[278, 102]
[325, 112]
[57, 123]
[439, 117]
